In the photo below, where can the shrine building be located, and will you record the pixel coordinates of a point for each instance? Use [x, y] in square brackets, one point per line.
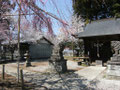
[102, 42]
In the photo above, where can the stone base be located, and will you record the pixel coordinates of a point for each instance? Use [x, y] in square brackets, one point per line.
[59, 66]
[99, 62]
[27, 64]
[113, 77]
[113, 70]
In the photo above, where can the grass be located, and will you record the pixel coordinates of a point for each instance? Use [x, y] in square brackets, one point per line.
[68, 57]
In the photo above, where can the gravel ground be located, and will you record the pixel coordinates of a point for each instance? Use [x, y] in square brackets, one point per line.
[68, 81]
[71, 81]
[10, 83]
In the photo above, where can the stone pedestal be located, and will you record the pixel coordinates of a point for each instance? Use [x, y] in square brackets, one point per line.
[99, 62]
[58, 65]
[113, 67]
[28, 63]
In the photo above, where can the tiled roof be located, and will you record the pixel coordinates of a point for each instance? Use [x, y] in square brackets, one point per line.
[101, 28]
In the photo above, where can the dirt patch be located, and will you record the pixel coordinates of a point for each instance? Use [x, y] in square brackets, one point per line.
[44, 63]
[68, 57]
[34, 64]
[10, 83]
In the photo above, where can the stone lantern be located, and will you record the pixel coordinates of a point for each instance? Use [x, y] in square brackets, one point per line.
[27, 57]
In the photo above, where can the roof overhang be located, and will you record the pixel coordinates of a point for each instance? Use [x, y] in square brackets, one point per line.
[101, 29]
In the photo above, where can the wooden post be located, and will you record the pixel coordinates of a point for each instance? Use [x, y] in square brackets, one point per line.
[18, 71]
[12, 57]
[3, 72]
[22, 79]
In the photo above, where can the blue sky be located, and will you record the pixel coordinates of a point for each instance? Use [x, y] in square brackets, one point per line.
[65, 11]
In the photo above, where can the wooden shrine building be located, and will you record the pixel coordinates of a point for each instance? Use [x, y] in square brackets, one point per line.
[97, 37]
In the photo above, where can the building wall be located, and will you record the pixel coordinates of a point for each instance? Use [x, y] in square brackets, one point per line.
[40, 51]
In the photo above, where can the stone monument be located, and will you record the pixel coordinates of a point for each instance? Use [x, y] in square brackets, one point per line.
[57, 61]
[114, 65]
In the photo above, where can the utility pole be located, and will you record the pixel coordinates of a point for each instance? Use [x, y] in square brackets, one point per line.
[19, 17]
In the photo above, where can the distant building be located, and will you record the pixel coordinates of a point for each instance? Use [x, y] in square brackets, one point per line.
[39, 49]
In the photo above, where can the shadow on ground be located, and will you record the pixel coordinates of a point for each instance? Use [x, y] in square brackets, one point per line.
[54, 81]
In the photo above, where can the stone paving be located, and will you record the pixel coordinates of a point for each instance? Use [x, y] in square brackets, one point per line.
[91, 72]
[69, 81]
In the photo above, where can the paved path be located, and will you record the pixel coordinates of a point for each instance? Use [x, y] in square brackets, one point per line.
[91, 72]
[71, 65]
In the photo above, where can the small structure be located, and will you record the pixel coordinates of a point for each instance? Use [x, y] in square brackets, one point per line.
[97, 38]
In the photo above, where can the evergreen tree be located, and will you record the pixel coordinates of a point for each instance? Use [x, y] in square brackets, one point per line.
[96, 9]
